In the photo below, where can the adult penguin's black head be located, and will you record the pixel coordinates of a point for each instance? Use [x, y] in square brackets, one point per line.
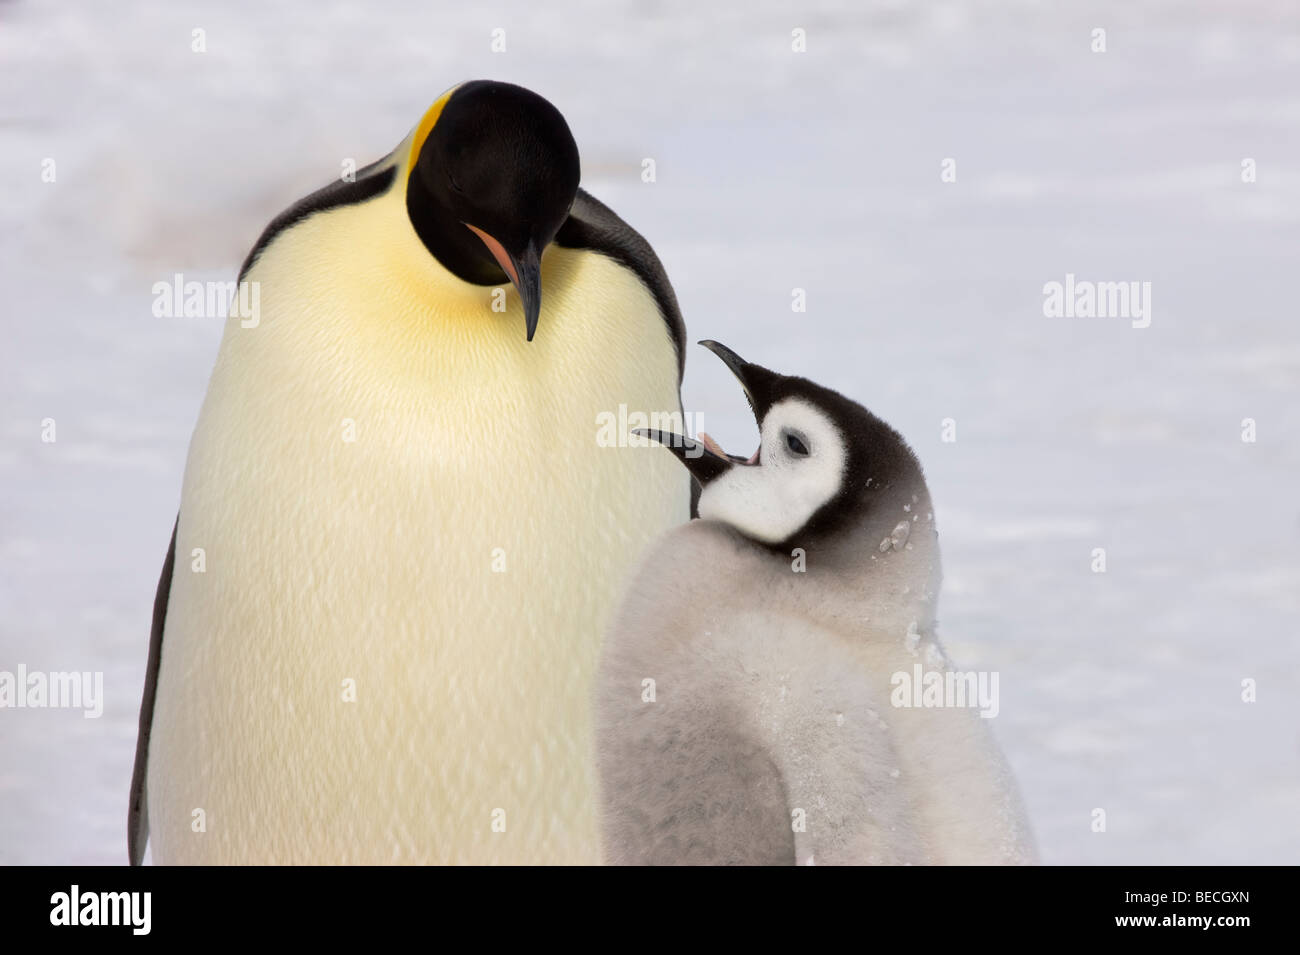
[491, 186]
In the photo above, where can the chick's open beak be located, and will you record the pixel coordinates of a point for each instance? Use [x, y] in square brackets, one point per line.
[704, 463]
[704, 457]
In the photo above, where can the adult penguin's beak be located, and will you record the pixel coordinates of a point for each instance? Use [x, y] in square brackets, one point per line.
[524, 269]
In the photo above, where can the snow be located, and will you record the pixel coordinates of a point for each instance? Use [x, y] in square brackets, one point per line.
[775, 171]
[912, 639]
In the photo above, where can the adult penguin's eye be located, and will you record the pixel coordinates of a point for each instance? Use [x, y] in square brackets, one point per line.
[795, 444]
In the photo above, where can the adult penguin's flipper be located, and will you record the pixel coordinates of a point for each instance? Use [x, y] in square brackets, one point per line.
[137, 819]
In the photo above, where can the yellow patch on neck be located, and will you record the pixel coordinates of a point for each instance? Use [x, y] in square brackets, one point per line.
[423, 130]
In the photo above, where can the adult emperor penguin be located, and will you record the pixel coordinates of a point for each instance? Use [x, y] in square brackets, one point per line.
[744, 694]
[399, 539]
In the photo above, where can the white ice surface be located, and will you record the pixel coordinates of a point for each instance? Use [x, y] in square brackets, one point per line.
[775, 170]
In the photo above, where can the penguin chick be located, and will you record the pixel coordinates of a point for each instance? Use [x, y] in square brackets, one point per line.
[754, 701]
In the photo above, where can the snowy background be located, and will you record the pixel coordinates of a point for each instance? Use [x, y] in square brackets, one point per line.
[775, 170]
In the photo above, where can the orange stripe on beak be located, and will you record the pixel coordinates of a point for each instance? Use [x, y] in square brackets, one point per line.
[498, 252]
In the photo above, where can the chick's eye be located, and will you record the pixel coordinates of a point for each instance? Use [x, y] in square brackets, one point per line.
[455, 186]
[795, 444]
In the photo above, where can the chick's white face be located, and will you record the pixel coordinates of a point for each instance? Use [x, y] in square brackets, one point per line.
[799, 467]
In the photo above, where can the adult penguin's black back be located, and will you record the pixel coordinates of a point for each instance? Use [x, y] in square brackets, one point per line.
[412, 521]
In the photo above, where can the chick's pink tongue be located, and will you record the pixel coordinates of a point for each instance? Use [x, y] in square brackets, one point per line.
[712, 445]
